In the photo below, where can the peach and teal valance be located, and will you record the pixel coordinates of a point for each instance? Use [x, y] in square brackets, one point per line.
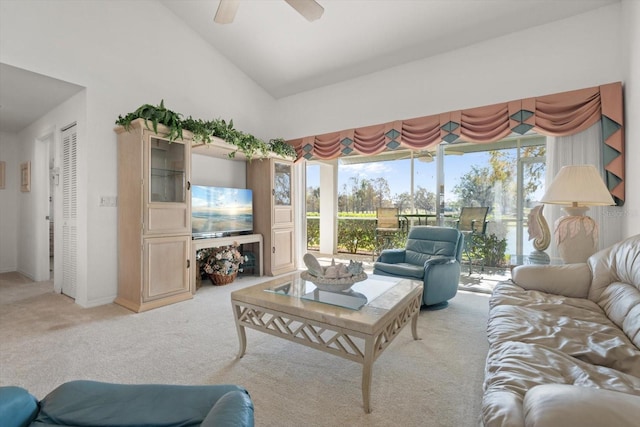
[559, 114]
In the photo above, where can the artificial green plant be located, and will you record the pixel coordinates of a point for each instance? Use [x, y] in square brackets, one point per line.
[203, 131]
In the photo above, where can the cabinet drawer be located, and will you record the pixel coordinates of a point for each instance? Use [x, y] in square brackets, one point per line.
[165, 219]
[282, 216]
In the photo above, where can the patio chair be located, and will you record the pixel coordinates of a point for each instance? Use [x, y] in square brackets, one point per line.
[472, 222]
[388, 225]
[432, 255]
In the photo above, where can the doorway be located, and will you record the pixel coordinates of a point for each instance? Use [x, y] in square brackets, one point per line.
[57, 247]
[43, 198]
[68, 212]
[53, 181]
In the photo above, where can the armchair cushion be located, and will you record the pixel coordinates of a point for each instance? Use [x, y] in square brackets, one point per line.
[392, 256]
[402, 269]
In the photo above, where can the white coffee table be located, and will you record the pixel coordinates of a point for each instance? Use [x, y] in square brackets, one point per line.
[289, 307]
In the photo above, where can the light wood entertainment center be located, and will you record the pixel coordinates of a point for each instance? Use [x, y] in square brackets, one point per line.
[156, 254]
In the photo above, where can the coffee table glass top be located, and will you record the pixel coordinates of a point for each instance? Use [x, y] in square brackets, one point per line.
[360, 294]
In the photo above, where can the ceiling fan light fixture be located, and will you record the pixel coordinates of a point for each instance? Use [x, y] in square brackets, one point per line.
[310, 9]
[424, 156]
[226, 11]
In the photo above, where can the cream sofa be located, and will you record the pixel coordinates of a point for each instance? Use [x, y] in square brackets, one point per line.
[564, 344]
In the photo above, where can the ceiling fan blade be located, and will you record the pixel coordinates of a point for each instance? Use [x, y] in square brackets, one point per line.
[310, 9]
[226, 11]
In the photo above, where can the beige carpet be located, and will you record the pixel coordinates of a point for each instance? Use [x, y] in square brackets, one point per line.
[46, 339]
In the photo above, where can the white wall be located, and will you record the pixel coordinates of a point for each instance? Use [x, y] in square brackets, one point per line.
[125, 54]
[569, 54]
[582, 51]
[207, 170]
[631, 20]
[33, 207]
[8, 200]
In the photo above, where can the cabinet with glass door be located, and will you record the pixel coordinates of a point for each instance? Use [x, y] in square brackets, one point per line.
[271, 182]
[154, 220]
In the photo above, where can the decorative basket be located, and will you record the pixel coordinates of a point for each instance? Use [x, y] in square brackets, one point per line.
[221, 279]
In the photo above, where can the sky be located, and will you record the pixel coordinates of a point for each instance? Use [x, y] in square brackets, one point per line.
[398, 173]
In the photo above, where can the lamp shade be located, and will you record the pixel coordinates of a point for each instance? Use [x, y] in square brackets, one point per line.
[578, 185]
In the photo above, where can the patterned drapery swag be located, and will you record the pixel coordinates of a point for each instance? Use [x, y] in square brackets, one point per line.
[559, 114]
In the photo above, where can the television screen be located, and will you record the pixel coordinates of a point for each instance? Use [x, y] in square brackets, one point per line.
[218, 211]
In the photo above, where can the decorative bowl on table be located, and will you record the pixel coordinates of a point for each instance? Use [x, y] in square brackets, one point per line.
[333, 284]
[334, 278]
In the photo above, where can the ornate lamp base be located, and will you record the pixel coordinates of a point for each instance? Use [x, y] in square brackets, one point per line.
[576, 235]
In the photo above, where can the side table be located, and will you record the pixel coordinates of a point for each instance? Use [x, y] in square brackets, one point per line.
[534, 258]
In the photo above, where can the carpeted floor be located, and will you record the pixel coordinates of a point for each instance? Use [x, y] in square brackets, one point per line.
[46, 339]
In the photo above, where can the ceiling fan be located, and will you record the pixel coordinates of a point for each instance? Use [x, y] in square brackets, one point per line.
[310, 9]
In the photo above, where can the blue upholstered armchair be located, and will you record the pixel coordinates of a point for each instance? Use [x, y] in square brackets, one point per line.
[92, 403]
[433, 256]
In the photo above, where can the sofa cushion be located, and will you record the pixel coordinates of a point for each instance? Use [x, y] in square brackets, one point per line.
[513, 368]
[558, 405]
[17, 407]
[571, 280]
[574, 326]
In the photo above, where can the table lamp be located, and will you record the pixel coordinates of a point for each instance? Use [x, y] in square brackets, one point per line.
[579, 187]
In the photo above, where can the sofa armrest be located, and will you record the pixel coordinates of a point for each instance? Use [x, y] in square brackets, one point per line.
[392, 256]
[234, 409]
[562, 405]
[570, 280]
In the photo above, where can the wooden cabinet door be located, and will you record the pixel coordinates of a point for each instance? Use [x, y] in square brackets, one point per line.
[282, 205]
[165, 263]
[166, 186]
[282, 251]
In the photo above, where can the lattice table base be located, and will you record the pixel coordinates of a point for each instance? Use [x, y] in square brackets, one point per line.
[357, 346]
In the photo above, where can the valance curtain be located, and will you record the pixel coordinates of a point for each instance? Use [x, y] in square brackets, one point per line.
[561, 114]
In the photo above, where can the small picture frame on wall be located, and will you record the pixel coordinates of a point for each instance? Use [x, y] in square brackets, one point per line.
[25, 177]
[2, 168]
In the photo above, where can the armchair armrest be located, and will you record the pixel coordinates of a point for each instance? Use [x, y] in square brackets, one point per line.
[234, 409]
[437, 260]
[17, 406]
[441, 278]
[570, 280]
[392, 256]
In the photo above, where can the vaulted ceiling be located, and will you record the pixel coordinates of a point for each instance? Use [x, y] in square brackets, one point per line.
[285, 54]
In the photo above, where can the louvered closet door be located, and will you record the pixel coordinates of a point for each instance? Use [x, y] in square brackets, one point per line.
[69, 211]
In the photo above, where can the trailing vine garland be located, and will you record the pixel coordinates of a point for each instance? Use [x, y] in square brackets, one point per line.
[203, 131]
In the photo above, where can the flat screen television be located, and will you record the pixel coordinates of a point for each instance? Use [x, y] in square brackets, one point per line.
[219, 211]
